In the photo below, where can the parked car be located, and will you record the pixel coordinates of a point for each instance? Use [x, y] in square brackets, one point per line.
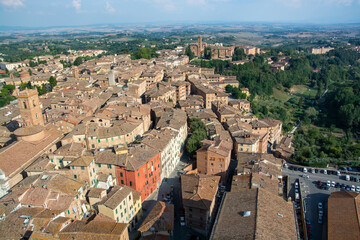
[320, 221]
[305, 176]
[290, 167]
[337, 185]
[342, 186]
[357, 179]
[347, 177]
[296, 185]
[320, 205]
[328, 183]
[319, 183]
[295, 168]
[316, 170]
[353, 188]
[357, 190]
[325, 172]
[333, 183]
[347, 188]
[305, 170]
[338, 173]
[321, 213]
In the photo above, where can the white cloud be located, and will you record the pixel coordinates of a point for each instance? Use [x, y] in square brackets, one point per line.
[77, 5]
[109, 8]
[12, 3]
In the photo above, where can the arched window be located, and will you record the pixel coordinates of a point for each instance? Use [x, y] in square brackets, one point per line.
[34, 103]
[24, 104]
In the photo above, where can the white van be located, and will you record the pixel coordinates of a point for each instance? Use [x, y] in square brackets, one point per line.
[305, 170]
[347, 177]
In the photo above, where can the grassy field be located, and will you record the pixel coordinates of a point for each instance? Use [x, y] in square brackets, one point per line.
[303, 90]
[295, 91]
[281, 95]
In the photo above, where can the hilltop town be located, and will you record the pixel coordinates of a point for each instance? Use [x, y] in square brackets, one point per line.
[114, 147]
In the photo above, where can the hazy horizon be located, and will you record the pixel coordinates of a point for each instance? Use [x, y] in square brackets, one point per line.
[77, 13]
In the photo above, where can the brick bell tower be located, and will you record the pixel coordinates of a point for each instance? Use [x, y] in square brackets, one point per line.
[30, 110]
[200, 46]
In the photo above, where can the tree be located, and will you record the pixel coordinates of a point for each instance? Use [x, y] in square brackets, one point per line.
[189, 53]
[239, 54]
[198, 133]
[207, 53]
[78, 61]
[52, 82]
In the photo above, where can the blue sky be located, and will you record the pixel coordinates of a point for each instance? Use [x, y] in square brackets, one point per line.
[44, 13]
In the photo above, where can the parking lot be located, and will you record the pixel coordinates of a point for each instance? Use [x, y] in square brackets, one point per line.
[312, 194]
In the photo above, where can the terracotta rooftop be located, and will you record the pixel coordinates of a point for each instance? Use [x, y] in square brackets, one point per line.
[160, 218]
[344, 215]
[199, 190]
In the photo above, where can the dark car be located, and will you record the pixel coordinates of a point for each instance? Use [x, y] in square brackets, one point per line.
[295, 168]
[351, 178]
[291, 167]
[342, 186]
[316, 170]
[337, 185]
[347, 188]
[357, 179]
[319, 183]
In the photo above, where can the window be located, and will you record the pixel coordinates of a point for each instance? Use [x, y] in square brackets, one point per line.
[125, 210]
[143, 170]
[122, 181]
[212, 164]
[92, 137]
[121, 214]
[112, 139]
[68, 212]
[72, 167]
[98, 140]
[116, 211]
[117, 219]
[220, 165]
[121, 174]
[120, 207]
[106, 140]
[37, 116]
[138, 174]
[130, 183]
[51, 160]
[79, 139]
[75, 176]
[24, 104]
[99, 165]
[82, 168]
[109, 166]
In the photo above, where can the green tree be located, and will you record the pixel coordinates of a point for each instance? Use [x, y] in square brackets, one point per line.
[78, 61]
[189, 53]
[207, 53]
[52, 82]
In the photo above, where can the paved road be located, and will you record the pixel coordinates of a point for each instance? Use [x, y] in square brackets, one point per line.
[312, 195]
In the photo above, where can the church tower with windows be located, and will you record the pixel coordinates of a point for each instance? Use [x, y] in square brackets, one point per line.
[30, 109]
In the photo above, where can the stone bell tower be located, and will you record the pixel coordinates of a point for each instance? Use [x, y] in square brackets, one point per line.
[30, 109]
